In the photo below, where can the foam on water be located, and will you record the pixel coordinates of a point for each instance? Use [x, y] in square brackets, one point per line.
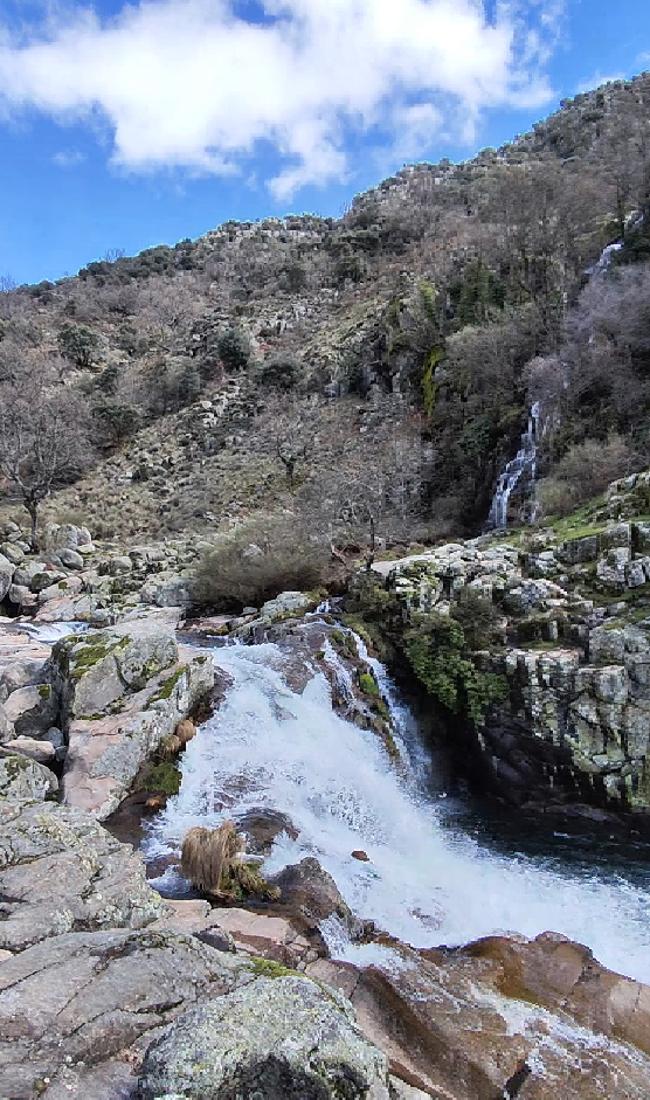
[270, 747]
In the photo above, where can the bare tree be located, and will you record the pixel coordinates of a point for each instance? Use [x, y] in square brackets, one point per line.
[294, 433]
[43, 440]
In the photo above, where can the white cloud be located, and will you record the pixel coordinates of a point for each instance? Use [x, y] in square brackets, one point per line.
[597, 80]
[68, 158]
[189, 83]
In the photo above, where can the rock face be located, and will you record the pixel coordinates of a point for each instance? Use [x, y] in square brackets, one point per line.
[22, 779]
[571, 721]
[98, 669]
[78, 1011]
[60, 871]
[278, 1038]
[504, 1017]
[105, 753]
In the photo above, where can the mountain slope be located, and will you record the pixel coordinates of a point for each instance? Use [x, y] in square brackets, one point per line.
[388, 353]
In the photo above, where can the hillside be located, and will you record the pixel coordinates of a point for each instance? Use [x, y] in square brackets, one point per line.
[382, 363]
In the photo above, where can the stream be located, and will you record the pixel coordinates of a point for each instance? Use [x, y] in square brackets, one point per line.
[438, 873]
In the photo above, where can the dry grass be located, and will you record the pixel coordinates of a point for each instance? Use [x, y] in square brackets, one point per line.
[212, 861]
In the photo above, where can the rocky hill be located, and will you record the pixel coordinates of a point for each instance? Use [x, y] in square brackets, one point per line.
[407, 338]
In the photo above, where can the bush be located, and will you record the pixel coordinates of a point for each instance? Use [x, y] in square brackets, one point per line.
[234, 349]
[257, 562]
[280, 372]
[584, 472]
[78, 344]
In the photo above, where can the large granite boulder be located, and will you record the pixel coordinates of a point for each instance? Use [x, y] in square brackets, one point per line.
[7, 731]
[7, 570]
[78, 1011]
[106, 751]
[278, 1038]
[97, 669]
[60, 871]
[33, 709]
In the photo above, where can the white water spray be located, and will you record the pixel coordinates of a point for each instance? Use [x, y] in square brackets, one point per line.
[522, 466]
[269, 746]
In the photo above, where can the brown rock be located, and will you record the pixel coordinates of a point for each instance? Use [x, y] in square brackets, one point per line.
[363, 857]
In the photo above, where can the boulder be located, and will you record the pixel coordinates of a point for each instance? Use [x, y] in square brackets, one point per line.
[48, 578]
[107, 750]
[26, 571]
[12, 552]
[167, 590]
[22, 779]
[277, 1038]
[71, 559]
[311, 891]
[262, 826]
[60, 871]
[44, 752]
[7, 730]
[95, 670]
[6, 575]
[287, 603]
[22, 597]
[78, 1011]
[611, 570]
[32, 709]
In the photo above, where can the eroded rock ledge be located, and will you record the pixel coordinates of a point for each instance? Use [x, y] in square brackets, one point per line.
[537, 649]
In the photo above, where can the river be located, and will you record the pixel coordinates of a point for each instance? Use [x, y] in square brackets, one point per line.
[438, 873]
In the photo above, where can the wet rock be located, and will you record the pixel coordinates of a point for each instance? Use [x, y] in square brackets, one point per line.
[262, 827]
[78, 1011]
[310, 890]
[504, 1017]
[60, 871]
[278, 1038]
[24, 780]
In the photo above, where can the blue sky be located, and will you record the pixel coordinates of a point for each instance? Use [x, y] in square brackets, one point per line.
[124, 126]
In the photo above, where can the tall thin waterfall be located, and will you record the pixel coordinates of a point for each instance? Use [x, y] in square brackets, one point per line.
[427, 881]
[522, 466]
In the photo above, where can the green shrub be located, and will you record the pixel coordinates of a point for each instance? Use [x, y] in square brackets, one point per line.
[280, 372]
[257, 562]
[234, 349]
[78, 344]
[436, 650]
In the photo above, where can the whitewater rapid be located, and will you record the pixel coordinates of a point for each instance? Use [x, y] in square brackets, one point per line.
[426, 883]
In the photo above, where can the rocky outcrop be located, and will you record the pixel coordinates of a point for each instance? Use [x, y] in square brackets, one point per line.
[550, 680]
[78, 1011]
[107, 749]
[280, 1037]
[504, 1017]
[60, 871]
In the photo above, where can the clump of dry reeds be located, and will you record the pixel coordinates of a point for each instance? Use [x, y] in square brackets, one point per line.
[212, 861]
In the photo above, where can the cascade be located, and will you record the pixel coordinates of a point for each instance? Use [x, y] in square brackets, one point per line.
[522, 467]
[430, 879]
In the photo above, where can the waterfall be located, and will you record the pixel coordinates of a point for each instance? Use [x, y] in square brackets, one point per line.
[604, 261]
[429, 880]
[522, 466]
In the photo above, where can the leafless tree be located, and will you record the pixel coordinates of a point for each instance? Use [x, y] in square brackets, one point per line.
[43, 440]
